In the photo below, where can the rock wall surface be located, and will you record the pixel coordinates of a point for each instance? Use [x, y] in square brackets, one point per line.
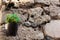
[34, 15]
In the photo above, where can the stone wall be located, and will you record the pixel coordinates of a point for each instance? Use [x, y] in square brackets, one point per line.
[34, 15]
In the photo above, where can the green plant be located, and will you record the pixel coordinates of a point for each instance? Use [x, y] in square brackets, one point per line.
[12, 18]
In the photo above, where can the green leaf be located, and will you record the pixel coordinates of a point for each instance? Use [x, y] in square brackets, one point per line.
[12, 18]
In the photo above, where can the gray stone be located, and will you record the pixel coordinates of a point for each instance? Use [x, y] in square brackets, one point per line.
[27, 23]
[34, 25]
[37, 17]
[52, 29]
[54, 10]
[29, 33]
[46, 18]
[43, 2]
[5, 1]
[55, 2]
[58, 16]
[35, 11]
[34, 14]
[42, 19]
[46, 9]
[26, 2]
[23, 17]
[22, 13]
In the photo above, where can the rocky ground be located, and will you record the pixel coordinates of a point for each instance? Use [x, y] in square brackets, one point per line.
[36, 17]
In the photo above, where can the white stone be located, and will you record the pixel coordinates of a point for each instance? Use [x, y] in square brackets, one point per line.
[14, 0]
[6, 1]
[6, 26]
[25, 1]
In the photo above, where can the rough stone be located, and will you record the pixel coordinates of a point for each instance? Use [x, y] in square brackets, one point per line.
[26, 2]
[46, 9]
[54, 10]
[46, 2]
[26, 33]
[23, 17]
[29, 33]
[46, 17]
[36, 17]
[35, 11]
[55, 2]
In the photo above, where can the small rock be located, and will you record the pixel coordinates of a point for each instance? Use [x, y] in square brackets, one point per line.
[27, 23]
[34, 25]
[6, 26]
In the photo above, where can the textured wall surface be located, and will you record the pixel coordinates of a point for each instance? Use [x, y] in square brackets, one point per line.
[34, 15]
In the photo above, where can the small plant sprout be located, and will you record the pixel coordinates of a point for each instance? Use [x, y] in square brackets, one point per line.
[12, 18]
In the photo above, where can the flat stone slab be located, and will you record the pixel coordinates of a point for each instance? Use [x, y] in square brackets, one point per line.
[53, 29]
